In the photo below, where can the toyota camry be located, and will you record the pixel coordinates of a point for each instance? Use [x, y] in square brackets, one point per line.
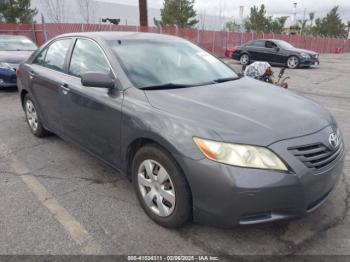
[198, 141]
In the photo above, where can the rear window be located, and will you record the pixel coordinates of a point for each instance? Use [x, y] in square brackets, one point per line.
[9, 43]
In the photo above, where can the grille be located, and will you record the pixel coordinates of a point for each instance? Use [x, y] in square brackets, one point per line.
[317, 156]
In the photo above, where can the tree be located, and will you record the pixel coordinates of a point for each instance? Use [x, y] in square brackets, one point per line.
[87, 10]
[257, 20]
[312, 18]
[143, 12]
[332, 25]
[277, 25]
[302, 24]
[55, 10]
[232, 26]
[178, 13]
[16, 11]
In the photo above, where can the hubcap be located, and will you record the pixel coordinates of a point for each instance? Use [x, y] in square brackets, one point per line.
[32, 116]
[156, 188]
[244, 59]
[292, 62]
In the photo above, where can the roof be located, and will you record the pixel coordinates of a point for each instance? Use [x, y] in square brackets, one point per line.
[112, 35]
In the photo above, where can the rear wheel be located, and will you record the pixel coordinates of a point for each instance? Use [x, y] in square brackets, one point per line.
[33, 118]
[244, 60]
[293, 62]
[161, 187]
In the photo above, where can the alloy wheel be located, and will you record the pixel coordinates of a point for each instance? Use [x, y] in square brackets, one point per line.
[156, 188]
[293, 62]
[244, 59]
[32, 116]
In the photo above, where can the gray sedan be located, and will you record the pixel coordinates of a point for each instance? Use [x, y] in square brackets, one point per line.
[197, 140]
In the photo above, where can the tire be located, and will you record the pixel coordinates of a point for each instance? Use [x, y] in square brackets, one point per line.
[293, 62]
[244, 59]
[33, 118]
[155, 174]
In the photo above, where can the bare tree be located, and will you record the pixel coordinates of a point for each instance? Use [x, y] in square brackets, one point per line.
[87, 10]
[55, 10]
[202, 17]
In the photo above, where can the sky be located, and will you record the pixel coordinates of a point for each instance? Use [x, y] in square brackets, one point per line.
[230, 8]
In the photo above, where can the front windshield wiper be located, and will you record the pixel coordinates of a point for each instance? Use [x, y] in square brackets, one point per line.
[164, 86]
[226, 79]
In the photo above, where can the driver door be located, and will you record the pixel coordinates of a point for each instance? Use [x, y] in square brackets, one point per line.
[91, 116]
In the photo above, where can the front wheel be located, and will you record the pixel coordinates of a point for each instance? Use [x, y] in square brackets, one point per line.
[161, 188]
[293, 62]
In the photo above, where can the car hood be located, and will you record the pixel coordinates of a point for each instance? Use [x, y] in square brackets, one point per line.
[14, 57]
[299, 50]
[244, 111]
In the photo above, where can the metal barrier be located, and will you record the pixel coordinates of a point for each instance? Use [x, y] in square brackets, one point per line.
[216, 42]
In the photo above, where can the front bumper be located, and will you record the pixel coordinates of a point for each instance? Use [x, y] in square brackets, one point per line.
[226, 196]
[312, 61]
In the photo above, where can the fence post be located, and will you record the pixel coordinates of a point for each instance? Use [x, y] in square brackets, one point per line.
[33, 32]
[197, 36]
[43, 24]
[82, 27]
[213, 47]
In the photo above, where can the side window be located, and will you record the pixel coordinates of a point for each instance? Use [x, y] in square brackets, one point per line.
[270, 44]
[257, 43]
[56, 54]
[40, 58]
[87, 56]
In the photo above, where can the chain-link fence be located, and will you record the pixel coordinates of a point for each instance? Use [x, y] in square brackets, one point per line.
[216, 42]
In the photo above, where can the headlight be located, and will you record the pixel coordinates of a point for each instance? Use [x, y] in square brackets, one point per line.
[240, 155]
[5, 66]
[305, 55]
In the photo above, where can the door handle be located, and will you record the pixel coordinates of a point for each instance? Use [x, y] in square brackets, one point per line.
[31, 74]
[65, 89]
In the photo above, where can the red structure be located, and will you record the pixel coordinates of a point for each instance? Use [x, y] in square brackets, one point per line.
[216, 42]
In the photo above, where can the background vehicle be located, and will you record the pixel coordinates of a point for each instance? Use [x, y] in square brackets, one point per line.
[196, 139]
[276, 52]
[13, 51]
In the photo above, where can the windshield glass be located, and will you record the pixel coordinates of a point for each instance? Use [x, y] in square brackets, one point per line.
[284, 44]
[16, 44]
[170, 63]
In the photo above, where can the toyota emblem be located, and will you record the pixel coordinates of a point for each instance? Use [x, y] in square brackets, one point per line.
[333, 140]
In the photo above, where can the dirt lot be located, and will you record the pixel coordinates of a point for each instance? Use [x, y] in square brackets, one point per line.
[56, 199]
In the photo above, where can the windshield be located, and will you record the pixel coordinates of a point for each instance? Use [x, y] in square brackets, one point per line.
[284, 44]
[174, 63]
[16, 44]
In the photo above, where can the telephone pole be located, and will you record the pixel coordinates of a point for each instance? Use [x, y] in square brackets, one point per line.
[143, 12]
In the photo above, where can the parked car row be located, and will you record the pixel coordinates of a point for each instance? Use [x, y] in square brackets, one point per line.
[13, 51]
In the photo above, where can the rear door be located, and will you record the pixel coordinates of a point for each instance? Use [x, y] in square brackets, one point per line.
[91, 116]
[46, 73]
[256, 50]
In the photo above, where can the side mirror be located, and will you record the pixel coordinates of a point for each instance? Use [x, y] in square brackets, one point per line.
[277, 49]
[96, 79]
